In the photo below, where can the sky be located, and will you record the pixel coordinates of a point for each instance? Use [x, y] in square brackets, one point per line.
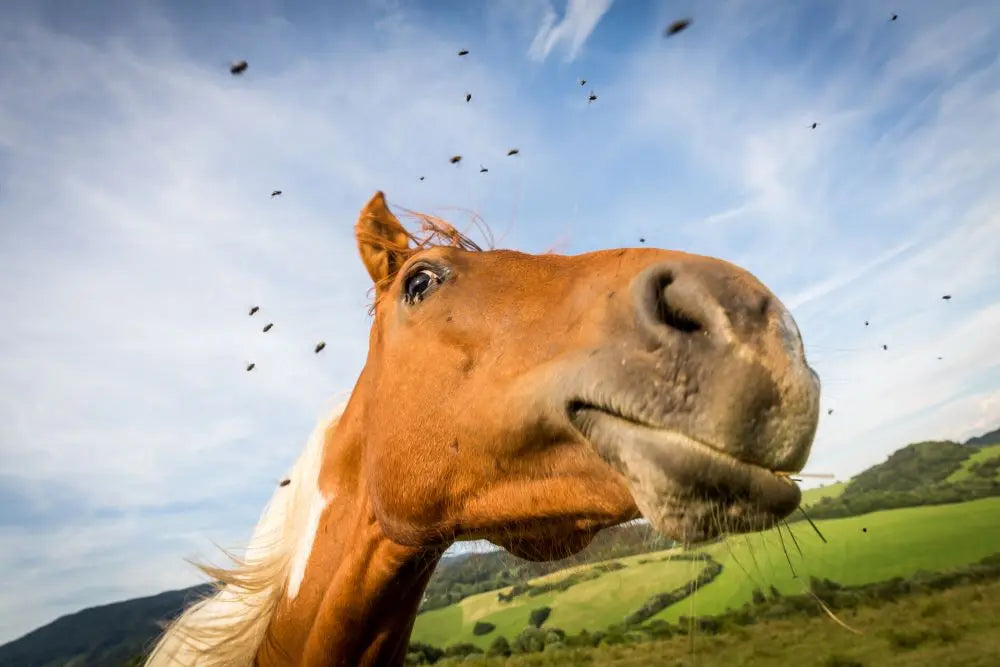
[137, 227]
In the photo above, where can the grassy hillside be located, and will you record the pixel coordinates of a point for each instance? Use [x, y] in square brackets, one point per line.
[917, 464]
[832, 491]
[924, 473]
[986, 455]
[459, 577]
[105, 635]
[989, 438]
[919, 474]
[956, 627]
[874, 547]
[590, 604]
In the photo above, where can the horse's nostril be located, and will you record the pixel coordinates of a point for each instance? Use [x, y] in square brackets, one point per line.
[673, 305]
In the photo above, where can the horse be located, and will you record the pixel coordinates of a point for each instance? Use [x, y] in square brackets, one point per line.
[527, 400]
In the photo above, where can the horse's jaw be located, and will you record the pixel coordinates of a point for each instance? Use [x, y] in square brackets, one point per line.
[689, 491]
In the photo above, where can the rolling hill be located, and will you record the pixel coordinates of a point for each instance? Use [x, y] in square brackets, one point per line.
[858, 550]
[832, 491]
[900, 536]
[107, 635]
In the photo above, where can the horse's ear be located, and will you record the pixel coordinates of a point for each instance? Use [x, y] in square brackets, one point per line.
[382, 241]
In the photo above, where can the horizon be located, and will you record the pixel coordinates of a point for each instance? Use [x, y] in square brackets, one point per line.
[137, 227]
[463, 548]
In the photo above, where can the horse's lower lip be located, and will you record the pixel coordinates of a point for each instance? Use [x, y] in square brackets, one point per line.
[665, 466]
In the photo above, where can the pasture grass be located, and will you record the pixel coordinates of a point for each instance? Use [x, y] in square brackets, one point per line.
[832, 491]
[593, 604]
[984, 454]
[862, 549]
[960, 626]
[859, 550]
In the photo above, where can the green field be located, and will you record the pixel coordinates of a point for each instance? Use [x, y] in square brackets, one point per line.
[590, 604]
[957, 627]
[895, 543]
[831, 491]
[984, 454]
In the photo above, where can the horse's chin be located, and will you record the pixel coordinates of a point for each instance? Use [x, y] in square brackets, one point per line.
[550, 547]
[688, 491]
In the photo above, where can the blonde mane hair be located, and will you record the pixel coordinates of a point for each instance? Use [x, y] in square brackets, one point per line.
[228, 626]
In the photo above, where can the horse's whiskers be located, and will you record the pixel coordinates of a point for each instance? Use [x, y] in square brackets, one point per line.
[787, 557]
[830, 613]
[802, 509]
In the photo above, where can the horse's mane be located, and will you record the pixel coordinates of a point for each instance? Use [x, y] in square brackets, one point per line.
[228, 626]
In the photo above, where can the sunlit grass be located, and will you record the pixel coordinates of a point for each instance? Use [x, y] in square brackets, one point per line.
[831, 491]
[960, 626]
[859, 550]
[862, 549]
[593, 604]
[982, 455]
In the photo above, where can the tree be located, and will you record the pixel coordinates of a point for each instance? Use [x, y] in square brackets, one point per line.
[461, 650]
[499, 647]
[482, 628]
[538, 616]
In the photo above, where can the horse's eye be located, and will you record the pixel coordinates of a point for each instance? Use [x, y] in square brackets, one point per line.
[419, 283]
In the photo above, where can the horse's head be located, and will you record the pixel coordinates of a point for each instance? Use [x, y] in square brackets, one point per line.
[533, 399]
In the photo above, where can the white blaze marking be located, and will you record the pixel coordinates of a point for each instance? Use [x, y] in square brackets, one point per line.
[307, 505]
[304, 548]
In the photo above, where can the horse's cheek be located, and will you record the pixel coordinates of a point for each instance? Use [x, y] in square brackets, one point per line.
[406, 491]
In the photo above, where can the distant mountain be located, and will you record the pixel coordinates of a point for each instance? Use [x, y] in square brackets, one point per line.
[991, 438]
[109, 635]
[910, 468]
[922, 473]
[112, 635]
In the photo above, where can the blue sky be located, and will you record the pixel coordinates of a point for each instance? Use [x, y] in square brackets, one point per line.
[136, 225]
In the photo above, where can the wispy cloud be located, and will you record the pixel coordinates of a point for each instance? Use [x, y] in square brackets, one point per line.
[873, 215]
[136, 229]
[840, 280]
[578, 22]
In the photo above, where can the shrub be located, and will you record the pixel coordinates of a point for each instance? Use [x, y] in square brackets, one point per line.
[932, 609]
[581, 639]
[423, 654]
[499, 647]
[708, 625]
[482, 628]
[903, 640]
[531, 640]
[658, 629]
[554, 635]
[949, 634]
[461, 649]
[612, 638]
[538, 616]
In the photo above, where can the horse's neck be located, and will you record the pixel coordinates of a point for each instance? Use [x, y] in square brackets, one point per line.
[353, 594]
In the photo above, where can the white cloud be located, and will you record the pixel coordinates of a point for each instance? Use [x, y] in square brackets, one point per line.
[889, 203]
[577, 24]
[138, 230]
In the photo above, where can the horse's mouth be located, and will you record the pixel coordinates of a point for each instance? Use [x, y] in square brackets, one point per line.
[688, 490]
